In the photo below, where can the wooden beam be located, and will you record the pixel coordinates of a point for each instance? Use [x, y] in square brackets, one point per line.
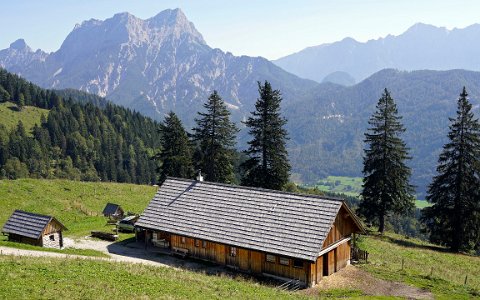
[333, 246]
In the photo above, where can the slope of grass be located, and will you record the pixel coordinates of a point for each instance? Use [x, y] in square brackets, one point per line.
[50, 278]
[29, 115]
[351, 186]
[424, 265]
[78, 205]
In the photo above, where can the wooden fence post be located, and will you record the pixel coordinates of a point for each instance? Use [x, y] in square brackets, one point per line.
[403, 261]
[466, 277]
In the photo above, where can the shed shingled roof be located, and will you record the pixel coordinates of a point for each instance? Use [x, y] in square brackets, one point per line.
[110, 209]
[281, 223]
[27, 224]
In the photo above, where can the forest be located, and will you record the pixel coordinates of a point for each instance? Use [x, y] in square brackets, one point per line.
[83, 137]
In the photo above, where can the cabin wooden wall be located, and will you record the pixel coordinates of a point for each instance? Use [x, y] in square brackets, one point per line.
[342, 227]
[52, 227]
[245, 259]
[343, 255]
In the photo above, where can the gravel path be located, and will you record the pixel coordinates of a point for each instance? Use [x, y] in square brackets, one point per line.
[117, 252]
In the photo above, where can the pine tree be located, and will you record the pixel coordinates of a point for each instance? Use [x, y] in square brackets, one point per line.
[267, 165]
[454, 218]
[386, 187]
[215, 136]
[175, 157]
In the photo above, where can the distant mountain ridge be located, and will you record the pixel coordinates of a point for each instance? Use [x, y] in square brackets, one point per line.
[421, 47]
[328, 125]
[153, 65]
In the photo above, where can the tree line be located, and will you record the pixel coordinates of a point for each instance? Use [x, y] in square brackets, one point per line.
[210, 149]
[454, 218]
[76, 140]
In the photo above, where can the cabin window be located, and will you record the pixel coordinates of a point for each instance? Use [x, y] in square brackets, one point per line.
[233, 251]
[284, 261]
[52, 237]
[204, 244]
[197, 243]
[298, 263]
[271, 258]
[182, 240]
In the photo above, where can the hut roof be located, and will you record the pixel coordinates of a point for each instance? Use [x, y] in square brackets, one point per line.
[28, 224]
[282, 223]
[110, 209]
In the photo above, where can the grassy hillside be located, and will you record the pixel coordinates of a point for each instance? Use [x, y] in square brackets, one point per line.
[29, 115]
[78, 205]
[424, 265]
[49, 278]
[351, 186]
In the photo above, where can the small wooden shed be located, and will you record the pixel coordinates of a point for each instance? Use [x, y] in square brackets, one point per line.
[35, 229]
[113, 211]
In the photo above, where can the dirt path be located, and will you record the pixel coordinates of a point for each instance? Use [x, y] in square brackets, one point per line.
[352, 277]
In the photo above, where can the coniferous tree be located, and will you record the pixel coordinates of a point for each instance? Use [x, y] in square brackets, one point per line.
[215, 135]
[176, 155]
[454, 218]
[386, 187]
[267, 165]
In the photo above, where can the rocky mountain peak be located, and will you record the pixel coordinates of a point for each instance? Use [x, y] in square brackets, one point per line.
[177, 22]
[20, 45]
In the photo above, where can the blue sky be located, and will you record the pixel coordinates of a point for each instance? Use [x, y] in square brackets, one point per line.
[257, 28]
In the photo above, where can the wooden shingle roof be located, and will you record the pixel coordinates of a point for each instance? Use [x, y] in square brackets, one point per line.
[276, 222]
[110, 209]
[27, 224]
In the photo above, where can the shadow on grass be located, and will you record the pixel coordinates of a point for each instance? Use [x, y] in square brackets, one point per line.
[410, 244]
[14, 108]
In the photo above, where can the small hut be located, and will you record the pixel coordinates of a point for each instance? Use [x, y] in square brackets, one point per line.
[35, 229]
[113, 211]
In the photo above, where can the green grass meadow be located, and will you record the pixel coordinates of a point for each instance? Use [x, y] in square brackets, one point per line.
[351, 186]
[29, 115]
[78, 205]
[49, 278]
[424, 265]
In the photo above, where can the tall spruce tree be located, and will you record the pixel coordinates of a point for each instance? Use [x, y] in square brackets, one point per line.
[176, 153]
[386, 187]
[267, 165]
[454, 218]
[215, 137]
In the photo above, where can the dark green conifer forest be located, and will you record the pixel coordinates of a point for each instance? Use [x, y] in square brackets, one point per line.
[78, 139]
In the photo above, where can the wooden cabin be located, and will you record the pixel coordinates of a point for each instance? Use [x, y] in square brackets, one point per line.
[279, 234]
[113, 211]
[34, 229]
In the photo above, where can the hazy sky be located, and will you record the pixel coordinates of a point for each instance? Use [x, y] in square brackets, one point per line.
[256, 28]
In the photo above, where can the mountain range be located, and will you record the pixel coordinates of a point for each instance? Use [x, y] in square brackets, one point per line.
[421, 47]
[154, 66]
[163, 63]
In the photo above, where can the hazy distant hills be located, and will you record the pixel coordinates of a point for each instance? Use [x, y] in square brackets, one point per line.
[327, 127]
[420, 47]
[154, 65]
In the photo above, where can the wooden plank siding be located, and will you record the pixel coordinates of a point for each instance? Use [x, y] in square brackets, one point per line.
[245, 259]
[342, 227]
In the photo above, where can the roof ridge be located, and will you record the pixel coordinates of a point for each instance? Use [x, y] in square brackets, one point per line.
[257, 189]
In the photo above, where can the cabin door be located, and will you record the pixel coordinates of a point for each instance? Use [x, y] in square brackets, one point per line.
[232, 256]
